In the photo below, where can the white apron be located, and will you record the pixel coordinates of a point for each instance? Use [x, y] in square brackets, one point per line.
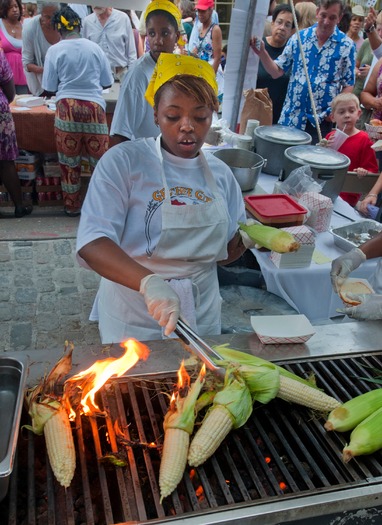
[193, 238]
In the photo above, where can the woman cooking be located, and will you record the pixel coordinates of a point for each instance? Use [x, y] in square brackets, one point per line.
[159, 215]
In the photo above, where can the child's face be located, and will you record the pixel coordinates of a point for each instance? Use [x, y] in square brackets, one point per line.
[346, 115]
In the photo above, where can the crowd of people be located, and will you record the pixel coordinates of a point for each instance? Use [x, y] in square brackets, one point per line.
[156, 259]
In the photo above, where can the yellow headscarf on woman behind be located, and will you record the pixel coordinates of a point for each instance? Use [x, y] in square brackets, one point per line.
[169, 65]
[166, 5]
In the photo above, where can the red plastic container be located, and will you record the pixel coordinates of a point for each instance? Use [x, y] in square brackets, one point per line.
[275, 210]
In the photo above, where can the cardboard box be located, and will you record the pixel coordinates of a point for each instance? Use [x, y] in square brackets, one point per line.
[320, 208]
[299, 259]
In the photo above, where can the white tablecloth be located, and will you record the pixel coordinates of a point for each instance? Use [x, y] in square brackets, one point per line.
[309, 289]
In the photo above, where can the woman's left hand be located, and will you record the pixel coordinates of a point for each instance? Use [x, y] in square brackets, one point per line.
[370, 308]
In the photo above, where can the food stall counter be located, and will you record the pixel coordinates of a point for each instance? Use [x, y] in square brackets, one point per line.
[309, 289]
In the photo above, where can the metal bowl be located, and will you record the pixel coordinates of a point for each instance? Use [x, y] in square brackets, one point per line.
[245, 165]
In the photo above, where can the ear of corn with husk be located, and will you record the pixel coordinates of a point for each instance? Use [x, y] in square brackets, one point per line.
[50, 418]
[291, 387]
[271, 238]
[350, 414]
[366, 438]
[231, 408]
[178, 425]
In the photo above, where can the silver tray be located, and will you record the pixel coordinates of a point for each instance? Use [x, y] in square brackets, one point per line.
[355, 234]
[13, 373]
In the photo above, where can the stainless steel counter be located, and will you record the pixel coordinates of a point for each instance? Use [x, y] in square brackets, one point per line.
[329, 340]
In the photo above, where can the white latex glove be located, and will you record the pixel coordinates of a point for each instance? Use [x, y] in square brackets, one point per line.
[369, 309]
[163, 304]
[345, 264]
[247, 241]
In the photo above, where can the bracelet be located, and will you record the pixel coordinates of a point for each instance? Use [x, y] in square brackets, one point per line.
[370, 29]
[372, 195]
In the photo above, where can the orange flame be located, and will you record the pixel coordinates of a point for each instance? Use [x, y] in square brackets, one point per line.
[89, 381]
[282, 485]
[267, 459]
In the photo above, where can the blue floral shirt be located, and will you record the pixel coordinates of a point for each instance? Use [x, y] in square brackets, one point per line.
[330, 67]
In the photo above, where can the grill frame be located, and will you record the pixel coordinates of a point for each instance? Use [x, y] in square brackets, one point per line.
[301, 505]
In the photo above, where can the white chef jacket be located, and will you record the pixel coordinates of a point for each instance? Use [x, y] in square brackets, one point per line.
[116, 37]
[133, 116]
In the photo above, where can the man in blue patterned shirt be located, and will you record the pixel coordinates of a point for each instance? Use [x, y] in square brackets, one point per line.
[330, 61]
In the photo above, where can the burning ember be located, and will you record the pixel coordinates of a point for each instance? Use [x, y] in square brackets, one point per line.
[80, 389]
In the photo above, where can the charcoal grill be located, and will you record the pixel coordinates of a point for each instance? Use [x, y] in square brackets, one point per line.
[281, 466]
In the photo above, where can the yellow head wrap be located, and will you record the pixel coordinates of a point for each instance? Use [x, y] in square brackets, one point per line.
[165, 5]
[66, 24]
[170, 65]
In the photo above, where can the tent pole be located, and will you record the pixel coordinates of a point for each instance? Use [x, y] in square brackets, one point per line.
[243, 65]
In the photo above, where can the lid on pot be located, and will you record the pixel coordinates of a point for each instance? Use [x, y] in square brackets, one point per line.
[317, 156]
[283, 134]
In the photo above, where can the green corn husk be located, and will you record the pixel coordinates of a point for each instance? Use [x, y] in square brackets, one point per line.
[235, 397]
[271, 238]
[263, 381]
[350, 414]
[366, 438]
[231, 355]
[182, 414]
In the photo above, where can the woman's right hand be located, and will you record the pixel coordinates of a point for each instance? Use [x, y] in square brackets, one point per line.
[163, 304]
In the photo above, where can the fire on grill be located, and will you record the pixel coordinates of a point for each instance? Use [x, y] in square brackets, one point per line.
[279, 452]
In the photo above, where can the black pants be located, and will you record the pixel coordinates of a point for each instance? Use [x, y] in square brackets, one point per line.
[325, 128]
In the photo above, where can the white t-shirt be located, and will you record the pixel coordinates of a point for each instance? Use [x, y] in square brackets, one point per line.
[77, 68]
[133, 116]
[35, 47]
[116, 37]
[125, 194]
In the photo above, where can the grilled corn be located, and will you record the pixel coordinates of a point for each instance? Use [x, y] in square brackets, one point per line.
[231, 408]
[350, 414]
[271, 238]
[366, 438]
[178, 425]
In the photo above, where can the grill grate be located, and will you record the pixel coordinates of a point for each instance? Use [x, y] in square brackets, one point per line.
[281, 452]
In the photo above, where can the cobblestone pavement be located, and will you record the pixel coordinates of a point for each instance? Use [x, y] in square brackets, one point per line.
[45, 297]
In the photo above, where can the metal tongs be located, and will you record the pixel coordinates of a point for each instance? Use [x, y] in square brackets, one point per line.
[197, 346]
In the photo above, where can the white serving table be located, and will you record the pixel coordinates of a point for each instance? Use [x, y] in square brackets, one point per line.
[309, 289]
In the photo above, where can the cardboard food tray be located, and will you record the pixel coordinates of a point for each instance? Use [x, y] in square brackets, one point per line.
[355, 234]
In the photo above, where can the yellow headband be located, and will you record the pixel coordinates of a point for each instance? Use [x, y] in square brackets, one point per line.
[165, 5]
[170, 65]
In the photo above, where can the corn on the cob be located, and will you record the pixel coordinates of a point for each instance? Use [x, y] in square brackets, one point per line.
[272, 238]
[231, 355]
[350, 414]
[174, 460]
[290, 386]
[215, 428]
[178, 426]
[295, 392]
[50, 418]
[231, 408]
[366, 438]
[60, 446]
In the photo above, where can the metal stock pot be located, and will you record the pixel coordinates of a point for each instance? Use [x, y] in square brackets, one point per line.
[245, 165]
[328, 166]
[272, 141]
